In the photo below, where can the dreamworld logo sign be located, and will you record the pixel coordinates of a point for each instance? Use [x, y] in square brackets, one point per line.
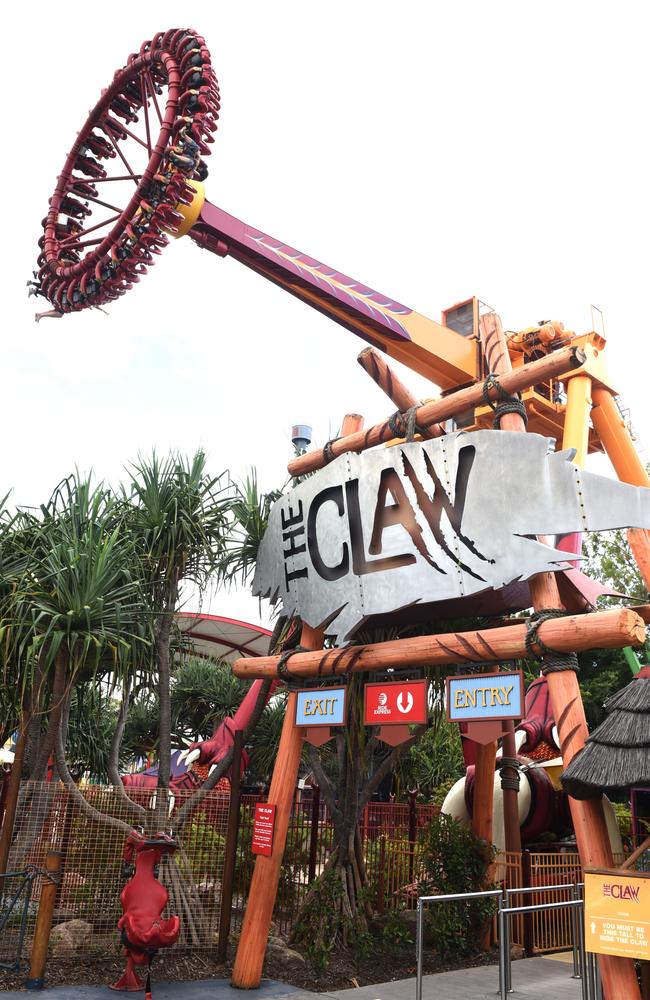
[618, 891]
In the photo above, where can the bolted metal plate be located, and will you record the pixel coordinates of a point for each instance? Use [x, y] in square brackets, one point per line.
[425, 522]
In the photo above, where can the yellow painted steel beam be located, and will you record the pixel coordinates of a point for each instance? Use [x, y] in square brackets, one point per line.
[576, 417]
[617, 441]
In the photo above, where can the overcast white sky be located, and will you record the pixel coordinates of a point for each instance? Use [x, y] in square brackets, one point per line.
[433, 150]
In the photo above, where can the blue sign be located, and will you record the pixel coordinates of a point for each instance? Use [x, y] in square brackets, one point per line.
[321, 707]
[475, 697]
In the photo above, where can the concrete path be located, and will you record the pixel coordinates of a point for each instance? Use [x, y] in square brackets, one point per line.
[532, 979]
[536, 978]
[206, 989]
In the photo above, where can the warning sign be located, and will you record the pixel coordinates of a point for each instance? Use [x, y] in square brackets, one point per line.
[617, 913]
[263, 827]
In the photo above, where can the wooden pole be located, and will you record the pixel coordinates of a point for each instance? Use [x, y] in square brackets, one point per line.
[609, 629]
[38, 959]
[550, 366]
[249, 960]
[230, 850]
[618, 974]
[497, 357]
[380, 372]
[247, 971]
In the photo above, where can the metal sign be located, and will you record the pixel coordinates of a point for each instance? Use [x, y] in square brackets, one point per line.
[263, 829]
[388, 529]
[485, 697]
[321, 707]
[398, 703]
[617, 913]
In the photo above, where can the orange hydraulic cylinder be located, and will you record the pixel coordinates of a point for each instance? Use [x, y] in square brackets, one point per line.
[576, 417]
[616, 440]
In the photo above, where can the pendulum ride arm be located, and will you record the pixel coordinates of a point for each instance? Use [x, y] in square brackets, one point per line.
[435, 351]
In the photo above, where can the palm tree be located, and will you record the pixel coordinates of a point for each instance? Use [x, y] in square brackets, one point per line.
[204, 693]
[74, 614]
[177, 520]
[249, 511]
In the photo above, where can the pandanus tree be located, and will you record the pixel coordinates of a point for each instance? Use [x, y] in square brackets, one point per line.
[72, 615]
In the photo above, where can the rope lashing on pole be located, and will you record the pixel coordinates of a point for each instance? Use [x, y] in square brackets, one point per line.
[507, 403]
[552, 660]
[404, 425]
[282, 668]
[507, 780]
[328, 454]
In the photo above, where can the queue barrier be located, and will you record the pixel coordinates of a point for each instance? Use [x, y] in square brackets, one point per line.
[455, 897]
[15, 903]
[585, 967]
[573, 889]
[503, 916]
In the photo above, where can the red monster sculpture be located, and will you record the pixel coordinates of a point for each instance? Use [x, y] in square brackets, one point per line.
[143, 899]
[193, 764]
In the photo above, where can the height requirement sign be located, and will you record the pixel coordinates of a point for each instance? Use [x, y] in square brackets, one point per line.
[617, 913]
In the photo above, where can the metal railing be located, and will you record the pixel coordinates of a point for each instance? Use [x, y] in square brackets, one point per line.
[503, 916]
[449, 897]
[572, 888]
[10, 908]
[585, 966]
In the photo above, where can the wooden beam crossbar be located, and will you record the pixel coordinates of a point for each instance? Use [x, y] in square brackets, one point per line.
[552, 365]
[610, 629]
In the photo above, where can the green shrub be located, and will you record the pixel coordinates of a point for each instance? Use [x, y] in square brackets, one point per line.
[623, 818]
[395, 932]
[455, 860]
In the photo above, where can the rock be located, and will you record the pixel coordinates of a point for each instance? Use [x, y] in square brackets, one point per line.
[517, 952]
[71, 938]
[279, 950]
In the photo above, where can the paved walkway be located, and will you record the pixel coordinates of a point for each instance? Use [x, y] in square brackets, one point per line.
[537, 978]
[206, 989]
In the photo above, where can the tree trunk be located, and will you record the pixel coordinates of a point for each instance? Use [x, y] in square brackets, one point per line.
[163, 668]
[336, 909]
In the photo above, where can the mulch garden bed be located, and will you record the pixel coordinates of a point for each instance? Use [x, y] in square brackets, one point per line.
[343, 972]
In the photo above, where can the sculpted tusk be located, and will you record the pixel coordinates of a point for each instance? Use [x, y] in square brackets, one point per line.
[556, 737]
[520, 738]
[192, 756]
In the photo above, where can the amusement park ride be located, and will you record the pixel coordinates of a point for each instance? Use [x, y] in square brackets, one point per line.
[133, 178]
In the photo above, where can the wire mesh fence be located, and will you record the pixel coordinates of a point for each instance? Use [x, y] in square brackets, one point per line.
[48, 818]
[392, 842]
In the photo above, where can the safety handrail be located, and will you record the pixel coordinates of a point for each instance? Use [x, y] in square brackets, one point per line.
[505, 978]
[575, 905]
[447, 897]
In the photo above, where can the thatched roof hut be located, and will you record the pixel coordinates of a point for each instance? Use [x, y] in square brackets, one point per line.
[616, 756]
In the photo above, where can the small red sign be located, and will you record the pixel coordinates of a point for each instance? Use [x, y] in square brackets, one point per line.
[263, 827]
[398, 703]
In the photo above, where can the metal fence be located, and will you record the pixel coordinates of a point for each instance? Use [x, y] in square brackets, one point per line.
[391, 839]
[48, 818]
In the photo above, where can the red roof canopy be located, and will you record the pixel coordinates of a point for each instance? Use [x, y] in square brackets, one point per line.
[223, 638]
